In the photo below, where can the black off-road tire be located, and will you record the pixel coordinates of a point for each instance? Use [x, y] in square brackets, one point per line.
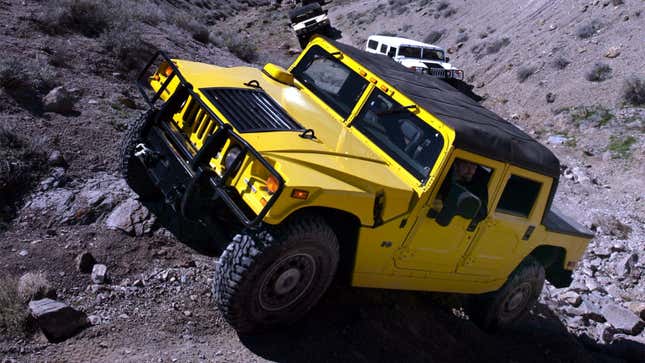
[500, 309]
[132, 169]
[276, 276]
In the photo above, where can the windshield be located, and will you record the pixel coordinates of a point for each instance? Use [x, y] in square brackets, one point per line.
[330, 80]
[410, 52]
[433, 54]
[410, 141]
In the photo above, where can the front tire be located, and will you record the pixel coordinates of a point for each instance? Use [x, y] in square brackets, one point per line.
[132, 170]
[500, 309]
[275, 277]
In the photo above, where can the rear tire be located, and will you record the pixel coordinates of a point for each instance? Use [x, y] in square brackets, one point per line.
[275, 277]
[133, 171]
[501, 309]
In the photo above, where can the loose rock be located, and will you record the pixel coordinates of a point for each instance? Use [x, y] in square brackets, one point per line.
[612, 52]
[622, 319]
[57, 320]
[99, 274]
[61, 100]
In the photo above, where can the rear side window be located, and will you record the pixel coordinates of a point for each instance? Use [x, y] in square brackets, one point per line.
[372, 44]
[519, 196]
[383, 48]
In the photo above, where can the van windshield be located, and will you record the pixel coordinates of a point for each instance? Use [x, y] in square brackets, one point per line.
[433, 54]
[410, 52]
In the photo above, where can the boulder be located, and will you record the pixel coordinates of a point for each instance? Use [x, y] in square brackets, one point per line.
[61, 100]
[611, 226]
[626, 264]
[57, 320]
[85, 262]
[638, 308]
[131, 217]
[622, 319]
[571, 297]
[99, 274]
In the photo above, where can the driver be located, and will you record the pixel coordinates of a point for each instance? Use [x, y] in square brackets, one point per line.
[471, 176]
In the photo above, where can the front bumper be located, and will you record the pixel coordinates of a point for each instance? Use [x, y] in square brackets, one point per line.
[181, 171]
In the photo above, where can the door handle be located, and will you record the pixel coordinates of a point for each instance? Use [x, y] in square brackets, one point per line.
[528, 233]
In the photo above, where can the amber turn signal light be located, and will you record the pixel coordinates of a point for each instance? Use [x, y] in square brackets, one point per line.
[300, 194]
[272, 184]
[168, 71]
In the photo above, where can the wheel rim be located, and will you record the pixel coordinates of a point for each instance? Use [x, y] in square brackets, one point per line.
[516, 301]
[287, 281]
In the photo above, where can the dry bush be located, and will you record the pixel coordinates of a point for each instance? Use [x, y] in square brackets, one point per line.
[449, 12]
[126, 45]
[240, 47]
[13, 74]
[442, 5]
[462, 38]
[599, 72]
[588, 30]
[21, 164]
[187, 22]
[560, 63]
[34, 286]
[634, 91]
[434, 36]
[495, 46]
[94, 17]
[524, 72]
[13, 314]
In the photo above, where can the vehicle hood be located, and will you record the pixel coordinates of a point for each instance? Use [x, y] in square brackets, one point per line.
[335, 161]
[316, 19]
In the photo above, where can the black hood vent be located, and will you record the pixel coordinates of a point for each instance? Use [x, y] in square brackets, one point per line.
[250, 110]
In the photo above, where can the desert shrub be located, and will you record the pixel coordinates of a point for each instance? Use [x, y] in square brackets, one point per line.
[34, 286]
[560, 63]
[13, 313]
[449, 12]
[495, 46]
[126, 45]
[462, 38]
[634, 91]
[620, 147]
[442, 5]
[240, 47]
[94, 17]
[188, 22]
[589, 29]
[21, 164]
[434, 36]
[524, 72]
[599, 72]
[13, 74]
[617, 2]
[387, 33]
[595, 115]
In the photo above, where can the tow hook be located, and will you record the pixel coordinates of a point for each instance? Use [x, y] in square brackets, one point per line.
[143, 153]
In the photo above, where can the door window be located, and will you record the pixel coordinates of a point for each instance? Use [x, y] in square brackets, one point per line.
[383, 48]
[519, 196]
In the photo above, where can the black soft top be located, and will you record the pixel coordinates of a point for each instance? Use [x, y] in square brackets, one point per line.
[477, 129]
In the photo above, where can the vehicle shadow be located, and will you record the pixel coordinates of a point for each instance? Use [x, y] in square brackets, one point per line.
[207, 239]
[366, 325]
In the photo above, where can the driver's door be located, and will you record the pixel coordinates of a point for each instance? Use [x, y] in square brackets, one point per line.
[432, 247]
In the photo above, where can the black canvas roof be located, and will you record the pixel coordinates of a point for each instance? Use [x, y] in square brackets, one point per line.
[477, 129]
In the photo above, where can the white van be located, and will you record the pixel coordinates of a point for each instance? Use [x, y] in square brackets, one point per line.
[421, 57]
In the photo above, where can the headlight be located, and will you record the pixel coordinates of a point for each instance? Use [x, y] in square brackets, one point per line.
[230, 156]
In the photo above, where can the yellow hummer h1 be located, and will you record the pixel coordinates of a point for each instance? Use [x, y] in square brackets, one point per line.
[349, 159]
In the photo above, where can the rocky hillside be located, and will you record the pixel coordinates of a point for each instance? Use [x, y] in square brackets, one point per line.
[568, 72]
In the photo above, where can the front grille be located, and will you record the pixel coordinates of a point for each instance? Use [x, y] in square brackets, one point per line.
[310, 22]
[250, 110]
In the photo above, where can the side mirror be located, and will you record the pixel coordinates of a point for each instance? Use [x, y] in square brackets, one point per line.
[447, 59]
[460, 202]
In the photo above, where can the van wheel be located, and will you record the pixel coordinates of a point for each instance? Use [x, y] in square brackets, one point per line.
[274, 277]
[132, 169]
[502, 308]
